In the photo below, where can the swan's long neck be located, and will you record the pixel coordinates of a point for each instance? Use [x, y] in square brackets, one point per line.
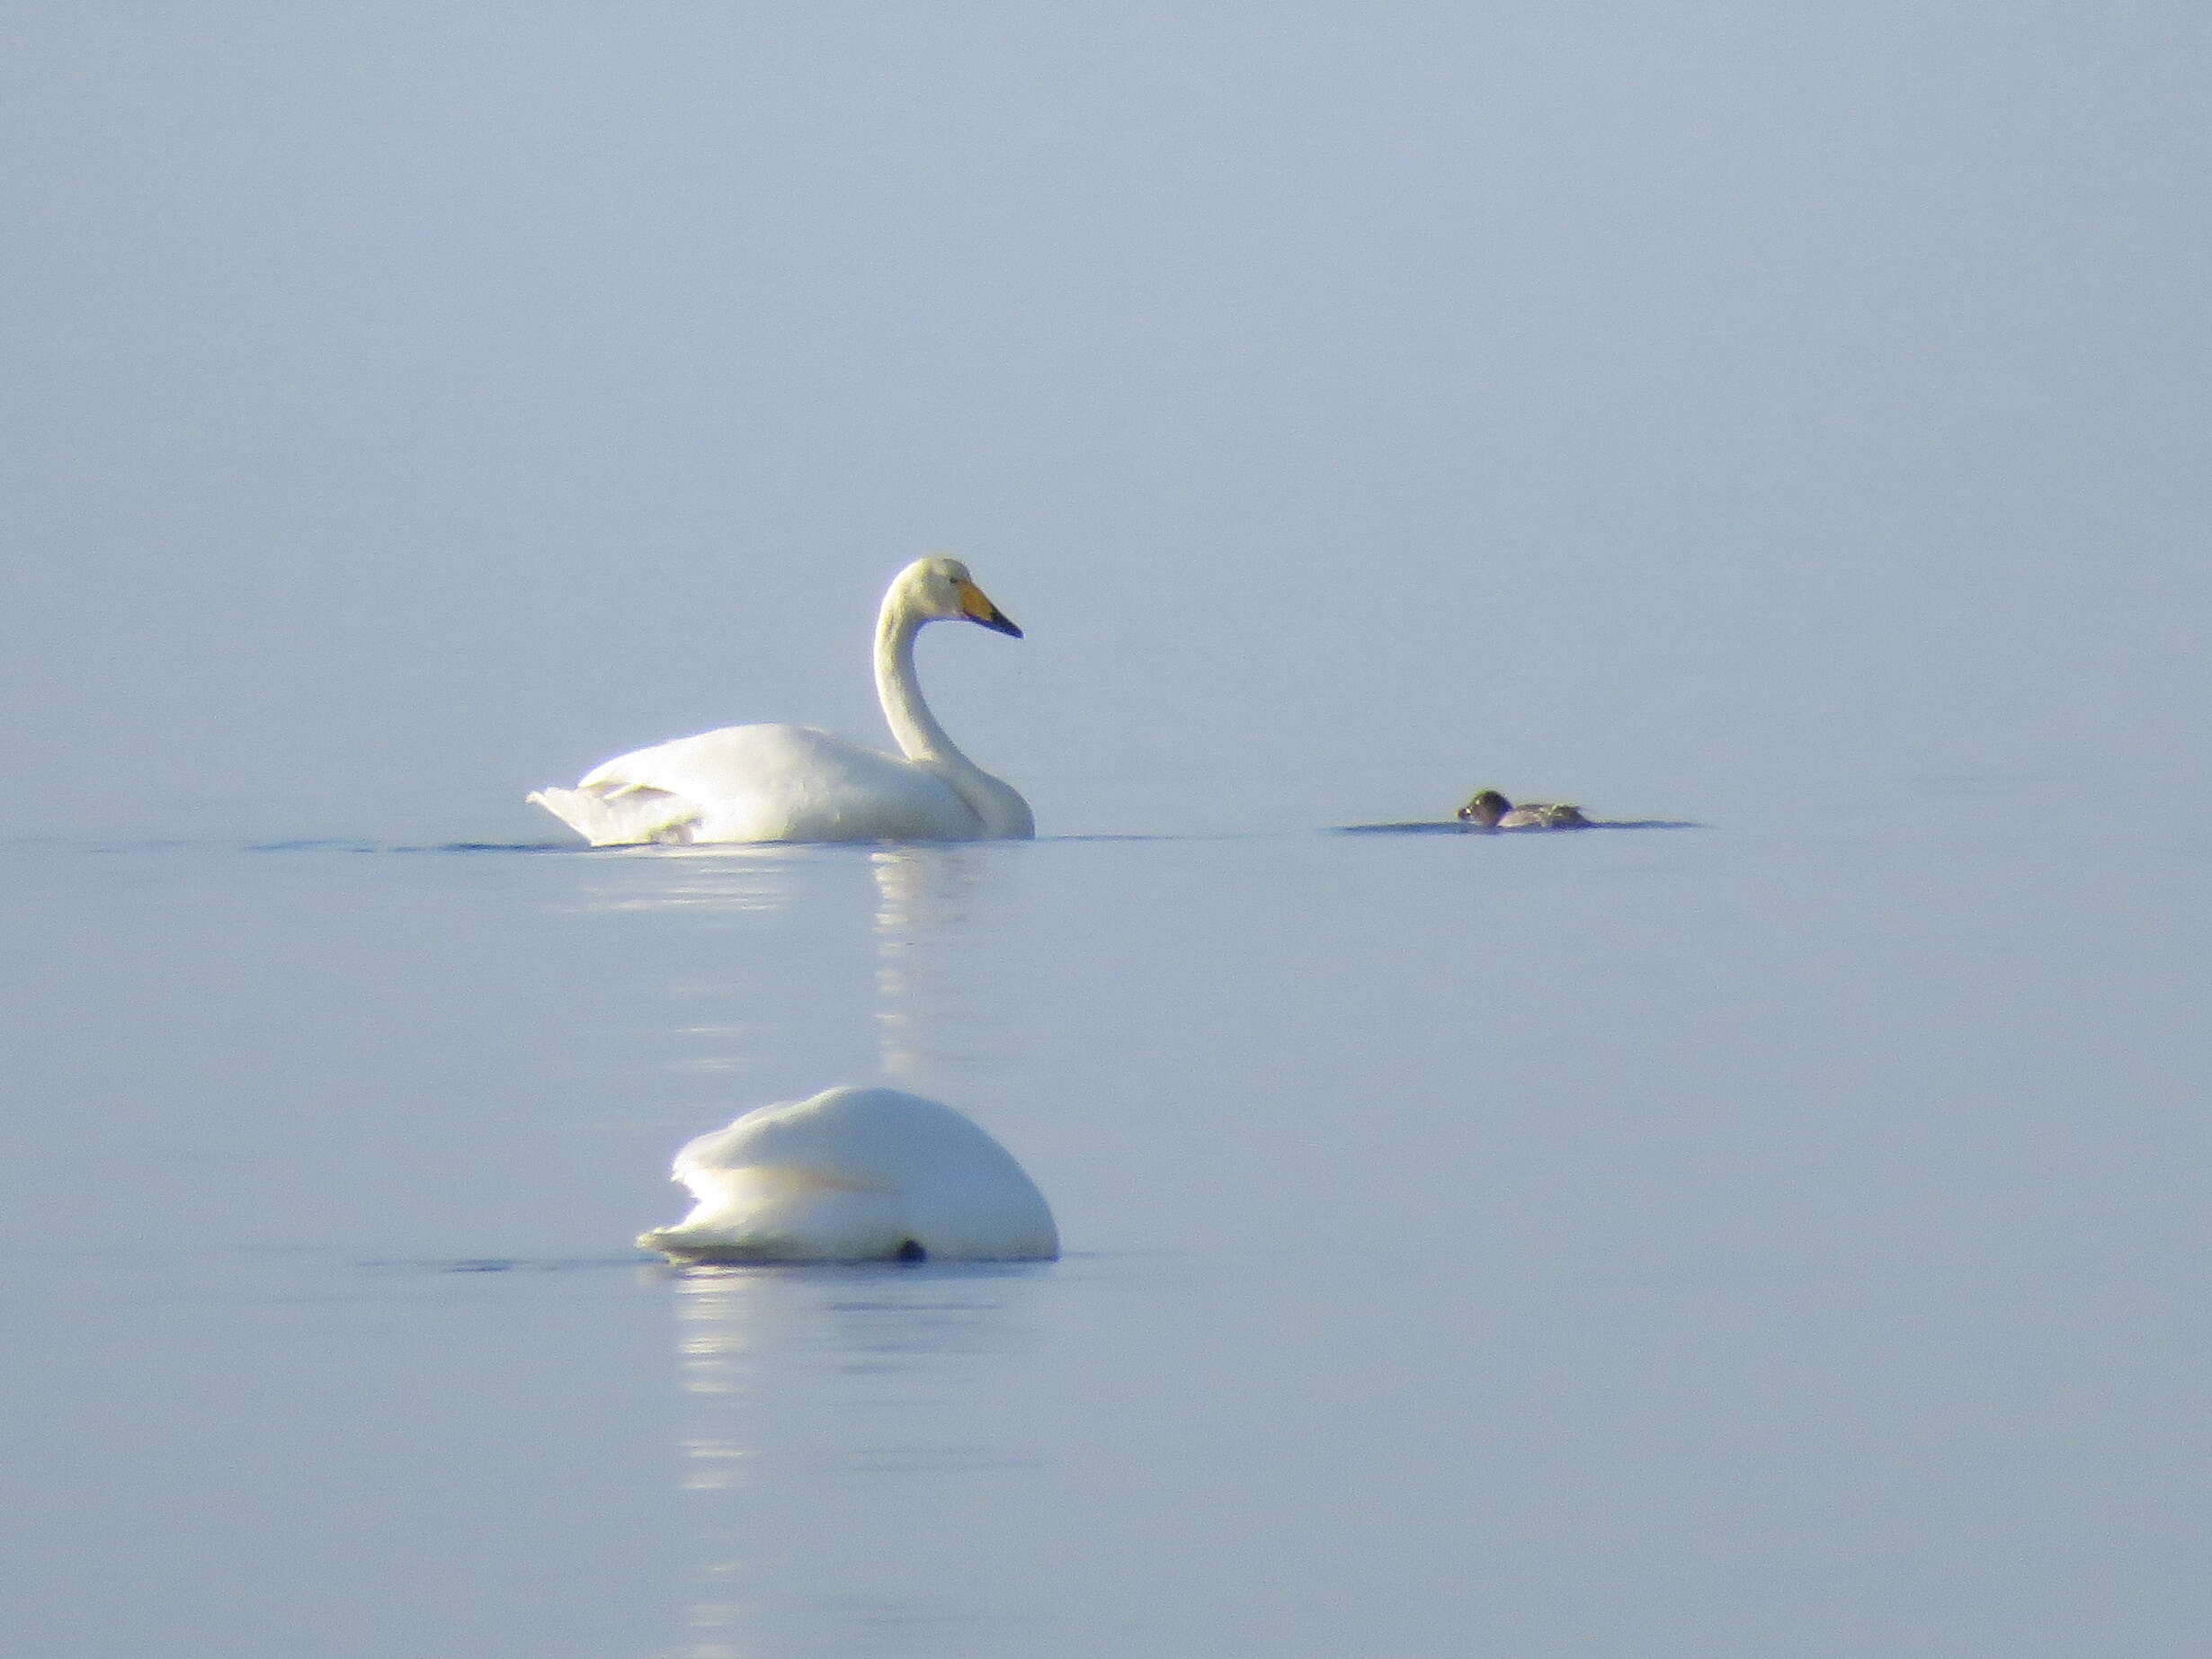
[999, 809]
[919, 736]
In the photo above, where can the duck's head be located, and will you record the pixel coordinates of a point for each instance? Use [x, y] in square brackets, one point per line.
[938, 589]
[1485, 809]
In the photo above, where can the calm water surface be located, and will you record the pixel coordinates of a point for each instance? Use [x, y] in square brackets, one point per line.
[1674, 1242]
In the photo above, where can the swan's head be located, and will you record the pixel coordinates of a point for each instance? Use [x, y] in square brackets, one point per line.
[1486, 809]
[938, 589]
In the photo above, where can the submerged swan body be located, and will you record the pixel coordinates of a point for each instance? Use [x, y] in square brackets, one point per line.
[798, 783]
[1491, 810]
[856, 1175]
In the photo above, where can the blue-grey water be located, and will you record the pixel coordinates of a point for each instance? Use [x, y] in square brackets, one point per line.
[1761, 1239]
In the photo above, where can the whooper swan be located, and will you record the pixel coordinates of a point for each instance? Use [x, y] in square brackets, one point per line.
[856, 1175]
[800, 783]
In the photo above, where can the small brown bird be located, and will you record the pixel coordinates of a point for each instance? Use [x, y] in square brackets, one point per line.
[1491, 810]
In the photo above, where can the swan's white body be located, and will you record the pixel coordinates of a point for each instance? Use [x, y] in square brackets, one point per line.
[856, 1175]
[800, 783]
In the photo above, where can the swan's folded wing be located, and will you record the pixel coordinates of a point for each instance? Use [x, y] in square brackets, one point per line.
[622, 816]
[648, 795]
[639, 769]
[782, 1214]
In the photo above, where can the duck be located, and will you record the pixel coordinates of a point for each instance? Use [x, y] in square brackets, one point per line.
[855, 1175]
[798, 783]
[1491, 810]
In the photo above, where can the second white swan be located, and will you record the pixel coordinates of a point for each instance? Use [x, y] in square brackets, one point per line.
[749, 783]
[856, 1175]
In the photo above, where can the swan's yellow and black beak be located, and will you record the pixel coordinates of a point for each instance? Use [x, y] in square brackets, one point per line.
[975, 607]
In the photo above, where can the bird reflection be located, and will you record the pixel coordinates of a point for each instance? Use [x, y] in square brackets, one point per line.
[830, 1417]
[714, 878]
[718, 1331]
[751, 1010]
[934, 906]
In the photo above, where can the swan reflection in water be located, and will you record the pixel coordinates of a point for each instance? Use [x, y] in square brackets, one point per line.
[771, 1005]
[937, 911]
[832, 1419]
[728, 879]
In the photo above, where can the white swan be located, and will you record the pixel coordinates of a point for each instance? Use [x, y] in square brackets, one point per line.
[856, 1175]
[800, 783]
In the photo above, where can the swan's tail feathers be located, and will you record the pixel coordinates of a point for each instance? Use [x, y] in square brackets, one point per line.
[623, 818]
